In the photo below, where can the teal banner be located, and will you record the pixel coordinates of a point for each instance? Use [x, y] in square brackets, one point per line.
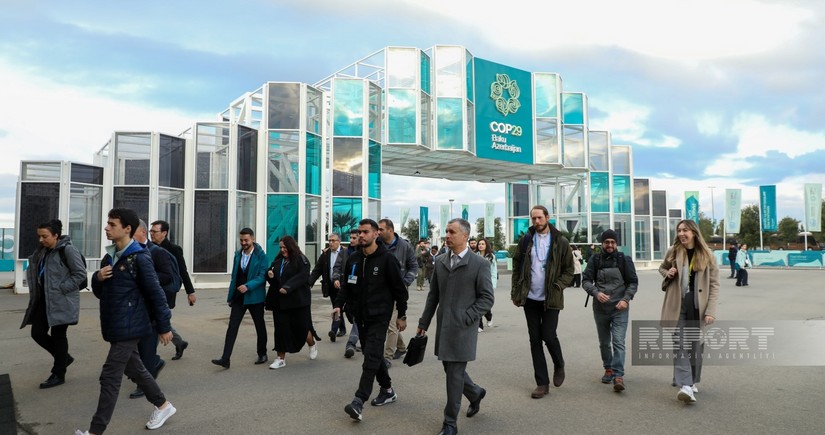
[423, 222]
[813, 207]
[465, 212]
[489, 220]
[767, 207]
[445, 217]
[405, 214]
[692, 206]
[733, 210]
[504, 112]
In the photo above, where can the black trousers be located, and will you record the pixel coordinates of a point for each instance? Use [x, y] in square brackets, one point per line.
[541, 327]
[56, 344]
[372, 334]
[235, 318]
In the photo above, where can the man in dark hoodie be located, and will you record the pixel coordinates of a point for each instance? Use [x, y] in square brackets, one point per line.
[610, 277]
[373, 286]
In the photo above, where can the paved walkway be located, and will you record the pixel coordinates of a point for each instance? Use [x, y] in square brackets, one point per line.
[308, 397]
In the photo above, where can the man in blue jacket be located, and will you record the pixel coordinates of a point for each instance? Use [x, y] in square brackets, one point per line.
[247, 291]
[130, 298]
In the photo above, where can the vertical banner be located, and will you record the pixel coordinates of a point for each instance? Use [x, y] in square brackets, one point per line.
[465, 212]
[767, 207]
[405, 214]
[423, 222]
[489, 220]
[733, 210]
[813, 207]
[445, 217]
[692, 206]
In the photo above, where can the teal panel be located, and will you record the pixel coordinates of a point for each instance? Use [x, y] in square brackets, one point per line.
[621, 194]
[6, 265]
[520, 227]
[348, 107]
[600, 192]
[470, 93]
[425, 73]
[281, 220]
[573, 105]
[374, 170]
[547, 94]
[449, 114]
[346, 212]
[313, 165]
[503, 112]
[401, 115]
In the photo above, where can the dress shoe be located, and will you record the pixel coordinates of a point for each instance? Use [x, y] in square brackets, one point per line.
[179, 350]
[138, 393]
[52, 381]
[221, 362]
[161, 364]
[69, 360]
[558, 377]
[448, 430]
[540, 391]
[476, 405]
[261, 359]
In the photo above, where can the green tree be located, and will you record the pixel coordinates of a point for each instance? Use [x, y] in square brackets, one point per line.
[705, 226]
[787, 229]
[410, 230]
[498, 241]
[749, 226]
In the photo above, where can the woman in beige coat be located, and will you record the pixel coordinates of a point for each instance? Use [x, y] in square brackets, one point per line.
[690, 300]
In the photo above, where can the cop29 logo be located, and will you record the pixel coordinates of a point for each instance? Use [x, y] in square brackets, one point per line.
[506, 104]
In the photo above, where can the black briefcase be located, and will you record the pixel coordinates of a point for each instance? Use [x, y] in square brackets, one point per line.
[416, 349]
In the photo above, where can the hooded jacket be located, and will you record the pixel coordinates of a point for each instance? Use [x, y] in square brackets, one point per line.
[558, 275]
[371, 285]
[61, 281]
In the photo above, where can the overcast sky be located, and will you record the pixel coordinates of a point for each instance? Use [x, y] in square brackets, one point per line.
[724, 93]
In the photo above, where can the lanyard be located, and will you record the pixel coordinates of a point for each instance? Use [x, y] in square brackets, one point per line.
[283, 263]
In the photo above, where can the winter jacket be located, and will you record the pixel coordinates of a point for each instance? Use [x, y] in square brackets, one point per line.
[322, 270]
[294, 279]
[163, 267]
[405, 254]
[706, 283]
[609, 279]
[255, 277]
[557, 277]
[61, 282]
[378, 285]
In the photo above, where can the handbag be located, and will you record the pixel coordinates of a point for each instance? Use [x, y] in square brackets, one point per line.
[415, 350]
[666, 283]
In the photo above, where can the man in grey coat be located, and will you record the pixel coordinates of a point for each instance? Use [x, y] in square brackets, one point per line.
[462, 290]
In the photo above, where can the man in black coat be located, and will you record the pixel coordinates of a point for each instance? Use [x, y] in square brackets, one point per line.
[732, 251]
[328, 268]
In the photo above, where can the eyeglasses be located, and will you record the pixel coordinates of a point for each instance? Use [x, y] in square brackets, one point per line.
[154, 232]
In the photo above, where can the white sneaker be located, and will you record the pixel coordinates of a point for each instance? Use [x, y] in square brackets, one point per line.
[686, 394]
[490, 323]
[693, 387]
[159, 416]
[78, 432]
[480, 330]
[278, 363]
[313, 351]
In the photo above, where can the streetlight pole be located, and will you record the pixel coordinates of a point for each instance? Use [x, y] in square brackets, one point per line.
[712, 209]
[451, 208]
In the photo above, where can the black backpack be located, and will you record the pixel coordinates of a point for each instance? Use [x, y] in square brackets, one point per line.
[62, 251]
[595, 259]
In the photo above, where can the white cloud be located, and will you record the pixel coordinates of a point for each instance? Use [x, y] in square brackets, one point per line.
[759, 135]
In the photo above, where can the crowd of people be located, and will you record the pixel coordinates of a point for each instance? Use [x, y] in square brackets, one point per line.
[367, 284]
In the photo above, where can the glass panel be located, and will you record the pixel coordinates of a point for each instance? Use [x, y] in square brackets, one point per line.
[574, 228]
[547, 94]
[346, 212]
[621, 194]
[38, 171]
[571, 195]
[283, 165]
[426, 121]
[599, 192]
[450, 123]
[621, 224]
[315, 106]
[621, 160]
[546, 196]
[469, 74]
[401, 116]
[247, 159]
[425, 73]
[87, 174]
[660, 239]
[170, 209]
[641, 197]
[347, 167]
[132, 153]
[313, 219]
[402, 67]
[519, 200]
[520, 226]
[39, 203]
[313, 164]
[281, 220]
[136, 198]
[597, 146]
[348, 107]
[85, 212]
[375, 113]
[210, 244]
[245, 213]
[374, 181]
[284, 106]
[598, 224]
[659, 203]
[449, 70]
[642, 238]
[547, 141]
[573, 147]
[471, 133]
[672, 227]
[171, 161]
[573, 105]
[212, 158]
[374, 209]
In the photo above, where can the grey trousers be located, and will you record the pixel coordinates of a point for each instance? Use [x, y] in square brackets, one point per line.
[687, 361]
[458, 384]
[123, 359]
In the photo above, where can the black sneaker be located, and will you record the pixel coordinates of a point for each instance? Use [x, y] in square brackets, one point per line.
[332, 336]
[355, 409]
[384, 397]
[350, 351]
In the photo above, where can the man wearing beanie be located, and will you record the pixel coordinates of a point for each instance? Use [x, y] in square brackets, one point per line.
[610, 277]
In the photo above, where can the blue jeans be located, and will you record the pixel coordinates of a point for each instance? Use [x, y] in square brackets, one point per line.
[611, 326]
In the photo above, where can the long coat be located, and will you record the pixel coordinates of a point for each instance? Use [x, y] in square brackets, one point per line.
[706, 283]
[462, 296]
